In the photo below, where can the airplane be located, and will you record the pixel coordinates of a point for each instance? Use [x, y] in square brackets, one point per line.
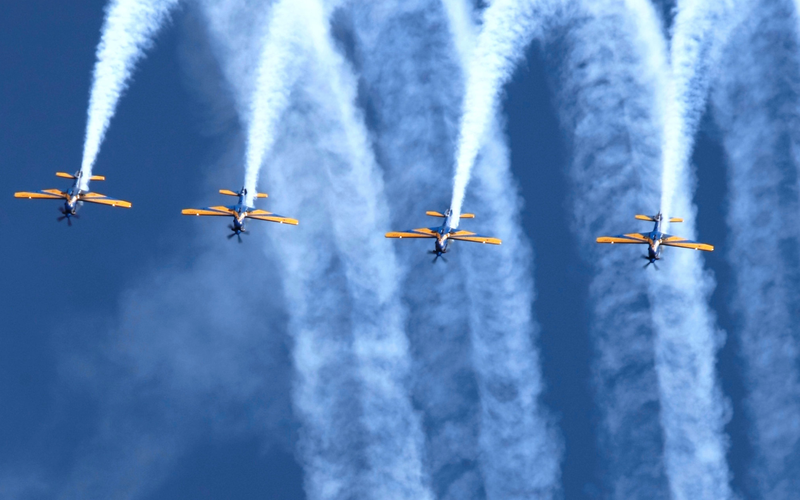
[655, 239]
[444, 233]
[74, 197]
[240, 212]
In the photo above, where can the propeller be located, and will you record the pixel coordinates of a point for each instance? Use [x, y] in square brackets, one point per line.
[67, 215]
[438, 256]
[235, 233]
[649, 262]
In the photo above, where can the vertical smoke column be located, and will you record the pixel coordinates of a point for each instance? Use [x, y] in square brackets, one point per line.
[605, 95]
[128, 31]
[356, 204]
[693, 410]
[507, 29]
[325, 390]
[411, 90]
[699, 31]
[275, 76]
[756, 106]
[520, 454]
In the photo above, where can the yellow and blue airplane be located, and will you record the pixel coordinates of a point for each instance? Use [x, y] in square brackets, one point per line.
[655, 239]
[240, 212]
[444, 233]
[74, 196]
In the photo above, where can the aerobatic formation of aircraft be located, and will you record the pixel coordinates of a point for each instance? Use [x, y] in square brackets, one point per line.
[655, 239]
[444, 233]
[74, 196]
[240, 212]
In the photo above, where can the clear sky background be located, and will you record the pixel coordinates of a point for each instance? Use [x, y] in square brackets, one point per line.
[64, 289]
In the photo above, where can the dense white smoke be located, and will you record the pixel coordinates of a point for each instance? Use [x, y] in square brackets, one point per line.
[605, 93]
[699, 31]
[275, 76]
[411, 87]
[360, 436]
[128, 31]
[755, 104]
[506, 31]
[520, 455]
[693, 410]
[356, 204]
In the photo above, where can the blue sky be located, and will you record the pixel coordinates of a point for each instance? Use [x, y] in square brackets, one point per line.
[74, 388]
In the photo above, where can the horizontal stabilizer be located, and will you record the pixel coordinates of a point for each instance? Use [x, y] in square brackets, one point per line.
[261, 195]
[65, 175]
[646, 217]
[97, 178]
[675, 219]
[228, 192]
[467, 216]
[434, 214]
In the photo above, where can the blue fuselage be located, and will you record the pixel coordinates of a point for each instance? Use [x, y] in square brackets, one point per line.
[71, 203]
[655, 237]
[241, 210]
[442, 235]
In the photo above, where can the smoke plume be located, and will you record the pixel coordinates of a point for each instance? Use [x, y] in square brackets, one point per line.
[128, 30]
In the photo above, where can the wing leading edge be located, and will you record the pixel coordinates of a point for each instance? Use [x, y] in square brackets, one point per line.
[677, 241]
[475, 238]
[209, 211]
[102, 199]
[422, 232]
[271, 217]
[630, 238]
[45, 194]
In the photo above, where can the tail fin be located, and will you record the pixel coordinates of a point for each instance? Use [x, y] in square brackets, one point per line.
[646, 217]
[65, 175]
[228, 192]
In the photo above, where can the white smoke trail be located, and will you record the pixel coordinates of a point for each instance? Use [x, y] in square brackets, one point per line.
[129, 28]
[275, 77]
[520, 455]
[507, 29]
[330, 445]
[356, 204]
[693, 410]
[411, 89]
[699, 31]
[370, 444]
[605, 93]
[756, 107]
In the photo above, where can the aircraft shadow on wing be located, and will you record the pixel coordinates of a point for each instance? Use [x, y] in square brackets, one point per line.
[240, 212]
[444, 234]
[655, 239]
[74, 197]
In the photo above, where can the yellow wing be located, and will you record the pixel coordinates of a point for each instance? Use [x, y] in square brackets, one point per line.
[677, 241]
[46, 194]
[422, 232]
[102, 199]
[477, 238]
[270, 217]
[210, 211]
[624, 238]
